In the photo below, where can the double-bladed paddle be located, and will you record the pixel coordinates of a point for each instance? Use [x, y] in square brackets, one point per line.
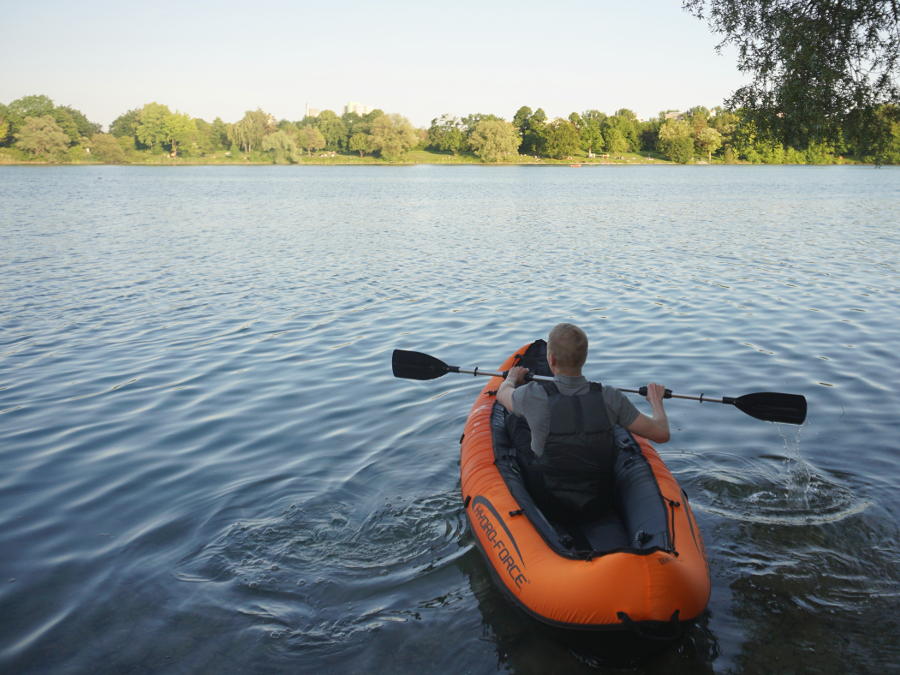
[765, 405]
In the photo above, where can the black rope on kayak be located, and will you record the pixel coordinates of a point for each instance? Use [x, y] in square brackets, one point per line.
[517, 512]
[466, 502]
[674, 504]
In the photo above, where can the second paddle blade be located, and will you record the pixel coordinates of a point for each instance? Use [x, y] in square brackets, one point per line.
[774, 407]
[417, 366]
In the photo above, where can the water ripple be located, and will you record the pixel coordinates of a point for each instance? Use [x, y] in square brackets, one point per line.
[205, 460]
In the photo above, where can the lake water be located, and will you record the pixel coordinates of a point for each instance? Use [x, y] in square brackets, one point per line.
[207, 466]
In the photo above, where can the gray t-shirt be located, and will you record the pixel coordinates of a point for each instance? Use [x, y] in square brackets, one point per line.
[531, 402]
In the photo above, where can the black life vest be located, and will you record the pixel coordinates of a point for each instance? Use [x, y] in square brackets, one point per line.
[577, 465]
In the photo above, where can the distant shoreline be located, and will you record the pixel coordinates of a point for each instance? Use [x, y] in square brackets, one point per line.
[630, 159]
[412, 158]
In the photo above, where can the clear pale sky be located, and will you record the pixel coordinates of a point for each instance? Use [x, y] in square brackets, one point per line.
[420, 59]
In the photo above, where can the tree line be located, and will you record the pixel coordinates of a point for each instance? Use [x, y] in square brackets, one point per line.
[36, 128]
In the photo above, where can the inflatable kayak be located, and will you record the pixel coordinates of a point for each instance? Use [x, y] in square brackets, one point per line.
[642, 568]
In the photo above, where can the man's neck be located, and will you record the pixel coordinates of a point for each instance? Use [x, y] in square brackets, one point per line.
[568, 372]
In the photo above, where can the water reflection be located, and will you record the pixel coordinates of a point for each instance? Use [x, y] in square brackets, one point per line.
[813, 595]
[525, 645]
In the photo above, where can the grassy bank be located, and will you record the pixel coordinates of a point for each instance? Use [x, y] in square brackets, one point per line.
[145, 158]
[78, 156]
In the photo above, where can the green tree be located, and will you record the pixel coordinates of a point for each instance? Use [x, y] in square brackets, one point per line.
[361, 143]
[591, 131]
[282, 146]
[469, 122]
[817, 66]
[495, 140]
[820, 153]
[85, 128]
[709, 140]
[725, 122]
[623, 126]
[698, 118]
[372, 115]
[32, 106]
[446, 134]
[393, 136]
[66, 122]
[204, 138]
[333, 130]
[28, 106]
[649, 136]
[4, 125]
[885, 149]
[520, 121]
[106, 148]
[534, 138]
[42, 137]
[562, 139]
[745, 138]
[676, 141]
[616, 143]
[179, 129]
[151, 127]
[220, 138]
[311, 138]
[353, 122]
[126, 124]
[249, 131]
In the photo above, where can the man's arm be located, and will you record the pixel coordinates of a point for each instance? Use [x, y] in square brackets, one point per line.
[655, 428]
[514, 377]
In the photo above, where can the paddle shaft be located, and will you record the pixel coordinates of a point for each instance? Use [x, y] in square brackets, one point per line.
[642, 391]
[491, 373]
[544, 378]
[703, 398]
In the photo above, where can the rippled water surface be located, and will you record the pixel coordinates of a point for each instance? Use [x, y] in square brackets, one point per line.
[206, 465]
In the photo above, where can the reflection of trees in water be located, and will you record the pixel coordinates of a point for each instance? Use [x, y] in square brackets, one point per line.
[815, 598]
[525, 645]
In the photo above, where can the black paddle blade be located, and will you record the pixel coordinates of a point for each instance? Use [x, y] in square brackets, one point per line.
[417, 366]
[773, 407]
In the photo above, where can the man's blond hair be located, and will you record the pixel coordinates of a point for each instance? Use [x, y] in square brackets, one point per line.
[569, 345]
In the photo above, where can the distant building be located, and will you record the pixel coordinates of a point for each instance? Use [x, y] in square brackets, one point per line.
[673, 114]
[312, 112]
[358, 108]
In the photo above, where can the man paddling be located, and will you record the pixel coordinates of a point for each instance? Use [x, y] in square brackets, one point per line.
[569, 471]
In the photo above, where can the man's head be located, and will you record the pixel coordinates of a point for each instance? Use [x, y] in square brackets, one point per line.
[567, 348]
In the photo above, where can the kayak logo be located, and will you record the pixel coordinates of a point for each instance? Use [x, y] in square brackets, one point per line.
[484, 511]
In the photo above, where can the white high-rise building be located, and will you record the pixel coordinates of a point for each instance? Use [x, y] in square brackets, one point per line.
[358, 108]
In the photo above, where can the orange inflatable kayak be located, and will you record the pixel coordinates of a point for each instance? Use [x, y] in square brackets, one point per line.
[643, 567]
